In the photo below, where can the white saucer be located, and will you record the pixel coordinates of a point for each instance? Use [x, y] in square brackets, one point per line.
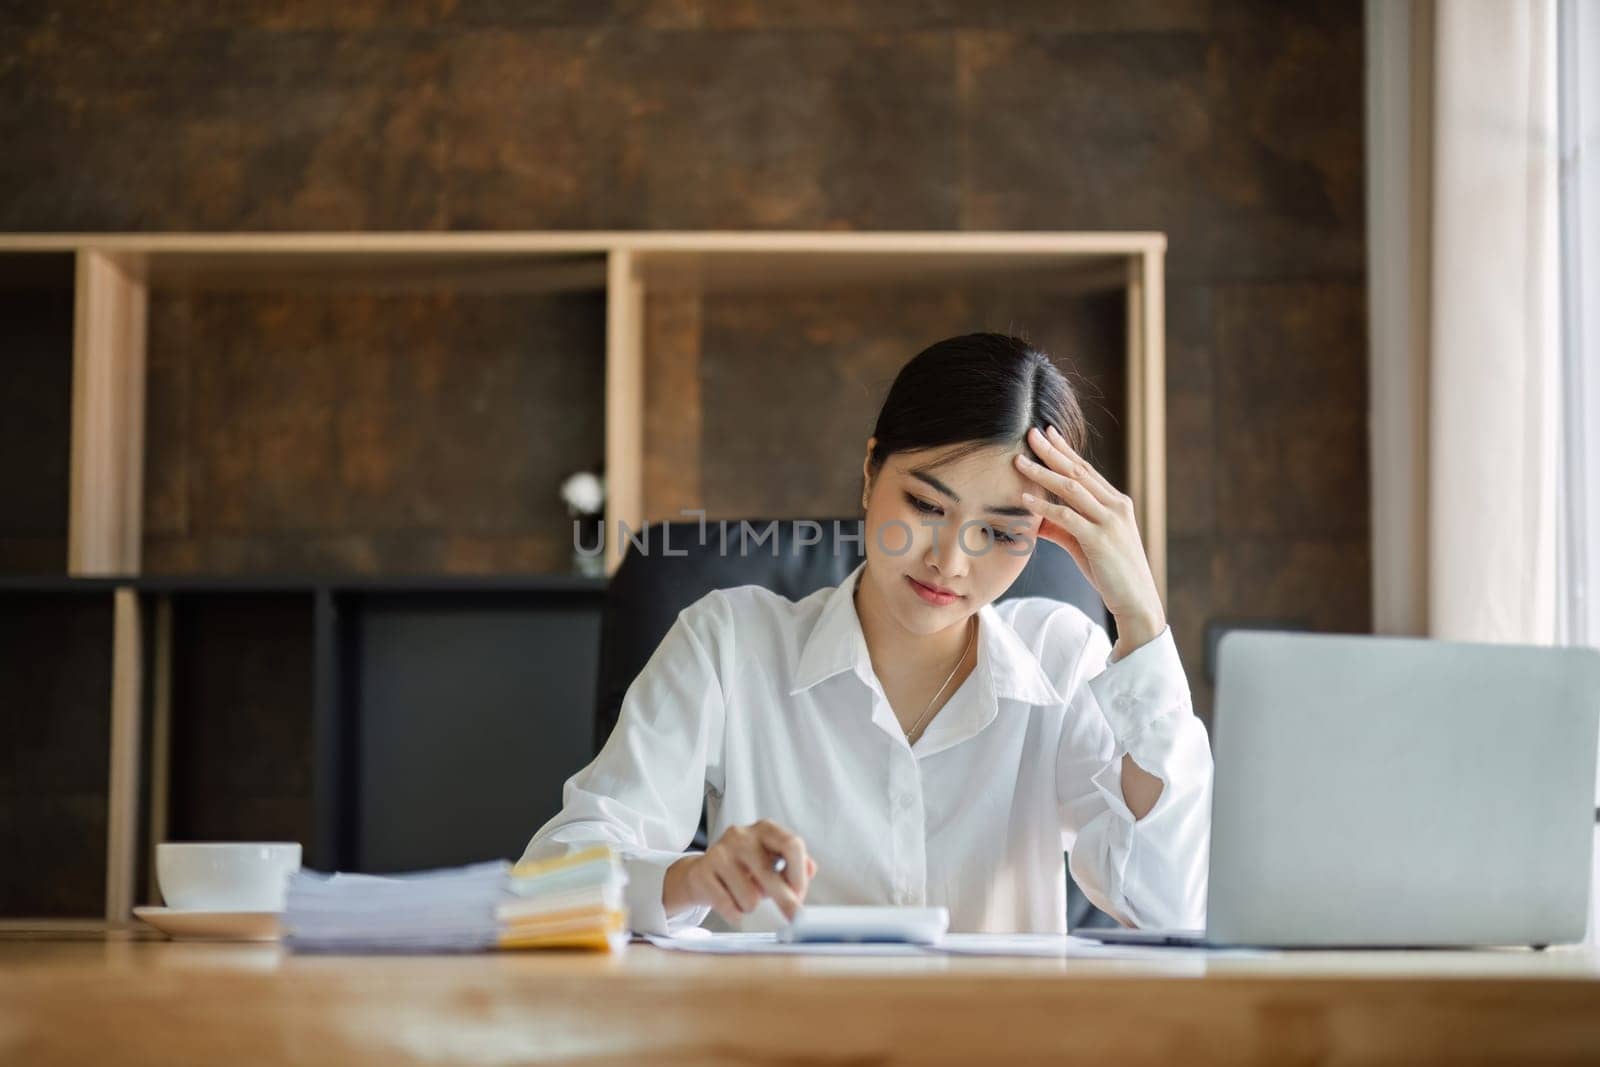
[212, 925]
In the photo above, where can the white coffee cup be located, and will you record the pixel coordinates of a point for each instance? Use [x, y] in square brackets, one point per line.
[226, 876]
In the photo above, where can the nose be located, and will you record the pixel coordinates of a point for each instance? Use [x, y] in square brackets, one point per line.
[945, 555]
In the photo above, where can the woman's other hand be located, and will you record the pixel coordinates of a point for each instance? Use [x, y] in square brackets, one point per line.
[735, 873]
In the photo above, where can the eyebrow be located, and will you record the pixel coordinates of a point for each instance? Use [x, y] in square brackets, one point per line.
[947, 491]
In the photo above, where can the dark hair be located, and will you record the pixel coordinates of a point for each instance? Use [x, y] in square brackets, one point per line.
[979, 390]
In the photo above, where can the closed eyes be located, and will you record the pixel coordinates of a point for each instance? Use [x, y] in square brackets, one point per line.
[928, 508]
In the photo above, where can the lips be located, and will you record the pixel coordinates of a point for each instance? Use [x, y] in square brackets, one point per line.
[932, 594]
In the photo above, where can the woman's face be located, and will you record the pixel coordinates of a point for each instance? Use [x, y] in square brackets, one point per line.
[935, 524]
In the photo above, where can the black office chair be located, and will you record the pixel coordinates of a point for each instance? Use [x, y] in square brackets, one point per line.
[650, 587]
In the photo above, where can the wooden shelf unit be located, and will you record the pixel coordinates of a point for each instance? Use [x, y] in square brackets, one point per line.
[116, 272]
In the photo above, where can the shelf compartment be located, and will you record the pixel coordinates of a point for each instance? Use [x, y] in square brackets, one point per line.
[796, 376]
[466, 714]
[36, 302]
[235, 740]
[367, 430]
[56, 669]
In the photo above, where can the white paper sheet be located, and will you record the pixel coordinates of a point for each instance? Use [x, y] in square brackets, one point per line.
[737, 944]
[1019, 945]
[1063, 946]
[1069, 946]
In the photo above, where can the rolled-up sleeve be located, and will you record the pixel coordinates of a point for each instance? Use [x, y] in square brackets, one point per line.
[1148, 872]
[643, 792]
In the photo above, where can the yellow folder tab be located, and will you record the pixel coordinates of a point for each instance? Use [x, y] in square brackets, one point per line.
[598, 940]
[592, 854]
[604, 933]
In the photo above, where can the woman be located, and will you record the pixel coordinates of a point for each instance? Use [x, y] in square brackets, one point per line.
[901, 739]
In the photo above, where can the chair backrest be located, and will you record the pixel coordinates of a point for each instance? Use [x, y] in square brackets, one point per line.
[792, 557]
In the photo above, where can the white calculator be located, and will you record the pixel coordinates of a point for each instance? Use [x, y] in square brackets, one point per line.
[916, 926]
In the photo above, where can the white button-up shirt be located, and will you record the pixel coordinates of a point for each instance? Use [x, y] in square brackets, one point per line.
[767, 708]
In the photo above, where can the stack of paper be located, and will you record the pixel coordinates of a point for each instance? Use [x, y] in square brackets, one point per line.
[449, 910]
[571, 901]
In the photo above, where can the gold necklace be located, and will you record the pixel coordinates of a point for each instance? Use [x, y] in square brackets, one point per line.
[910, 739]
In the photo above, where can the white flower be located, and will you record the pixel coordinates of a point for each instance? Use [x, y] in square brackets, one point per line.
[584, 492]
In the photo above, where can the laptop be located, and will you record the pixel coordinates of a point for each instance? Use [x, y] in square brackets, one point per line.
[1397, 792]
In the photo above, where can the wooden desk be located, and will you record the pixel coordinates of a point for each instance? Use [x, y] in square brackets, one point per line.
[123, 999]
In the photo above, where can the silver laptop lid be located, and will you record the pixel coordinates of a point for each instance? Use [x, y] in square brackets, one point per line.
[1399, 791]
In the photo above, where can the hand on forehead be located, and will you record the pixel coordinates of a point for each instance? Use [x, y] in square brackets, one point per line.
[978, 481]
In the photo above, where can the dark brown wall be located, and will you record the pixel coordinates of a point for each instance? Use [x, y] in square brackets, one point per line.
[1233, 127]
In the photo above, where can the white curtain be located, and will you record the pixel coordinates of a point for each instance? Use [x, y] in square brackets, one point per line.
[1495, 354]
[1484, 257]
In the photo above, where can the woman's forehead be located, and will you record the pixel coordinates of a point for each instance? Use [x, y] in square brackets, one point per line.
[989, 472]
[947, 462]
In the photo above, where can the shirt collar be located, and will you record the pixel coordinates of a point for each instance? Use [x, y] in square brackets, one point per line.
[836, 643]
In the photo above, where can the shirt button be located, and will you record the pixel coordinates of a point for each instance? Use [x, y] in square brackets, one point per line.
[903, 802]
